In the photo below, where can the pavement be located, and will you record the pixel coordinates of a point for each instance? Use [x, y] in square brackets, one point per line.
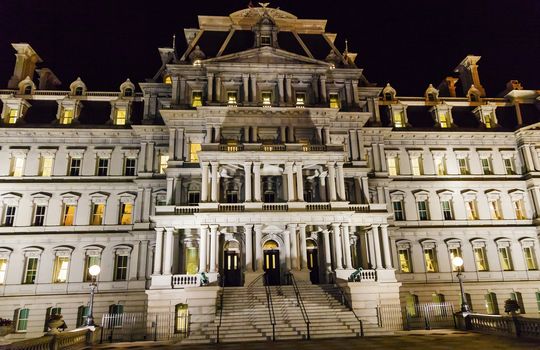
[435, 339]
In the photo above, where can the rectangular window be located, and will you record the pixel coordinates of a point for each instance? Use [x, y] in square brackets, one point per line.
[528, 252]
[120, 116]
[97, 214]
[130, 167]
[39, 215]
[30, 271]
[194, 149]
[404, 260]
[82, 315]
[399, 213]
[300, 100]
[116, 310]
[455, 253]
[393, 166]
[265, 40]
[538, 301]
[3, 268]
[398, 119]
[517, 296]
[74, 166]
[266, 98]
[416, 166]
[491, 304]
[440, 166]
[120, 267]
[444, 120]
[22, 320]
[232, 196]
[495, 210]
[163, 163]
[9, 218]
[67, 116]
[423, 212]
[334, 101]
[509, 166]
[231, 98]
[431, 260]
[194, 197]
[504, 257]
[102, 167]
[91, 260]
[480, 259]
[17, 166]
[519, 209]
[486, 166]
[196, 99]
[12, 116]
[126, 212]
[447, 210]
[464, 166]
[45, 166]
[68, 216]
[61, 265]
[472, 212]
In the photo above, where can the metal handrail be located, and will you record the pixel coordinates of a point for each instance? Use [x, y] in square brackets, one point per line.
[300, 303]
[270, 306]
[220, 307]
[348, 303]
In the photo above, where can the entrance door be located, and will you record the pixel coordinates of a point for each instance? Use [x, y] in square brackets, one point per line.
[271, 267]
[231, 269]
[313, 265]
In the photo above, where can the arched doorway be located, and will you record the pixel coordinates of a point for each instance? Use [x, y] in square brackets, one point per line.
[313, 260]
[271, 263]
[231, 264]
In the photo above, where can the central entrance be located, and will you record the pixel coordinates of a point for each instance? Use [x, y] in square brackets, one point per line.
[231, 265]
[312, 261]
[271, 263]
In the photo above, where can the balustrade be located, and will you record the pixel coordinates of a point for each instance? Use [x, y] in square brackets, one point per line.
[182, 281]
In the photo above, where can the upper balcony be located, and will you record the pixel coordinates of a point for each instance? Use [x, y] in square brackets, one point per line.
[262, 147]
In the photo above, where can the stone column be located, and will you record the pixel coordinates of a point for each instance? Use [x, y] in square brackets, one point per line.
[178, 190]
[376, 157]
[258, 248]
[327, 252]
[371, 248]
[254, 134]
[138, 205]
[180, 144]
[217, 133]
[253, 88]
[248, 231]
[170, 190]
[213, 247]
[287, 243]
[288, 89]
[340, 181]
[303, 246]
[337, 247]
[294, 246]
[365, 188]
[386, 247]
[208, 136]
[203, 233]
[361, 150]
[247, 182]
[346, 245]
[290, 181]
[332, 181]
[210, 77]
[168, 251]
[182, 92]
[322, 187]
[204, 182]
[158, 250]
[150, 157]
[214, 189]
[257, 181]
[172, 134]
[323, 89]
[280, 89]
[376, 246]
[245, 85]
[299, 182]
[141, 162]
[218, 89]
[282, 134]
[326, 136]
[354, 144]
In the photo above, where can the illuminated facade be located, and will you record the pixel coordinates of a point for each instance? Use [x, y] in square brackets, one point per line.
[263, 148]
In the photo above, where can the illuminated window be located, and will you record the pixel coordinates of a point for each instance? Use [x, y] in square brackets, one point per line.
[447, 210]
[334, 101]
[416, 166]
[102, 167]
[480, 259]
[412, 305]
[231, 98]
[98, 210]
[167, 79]
[194, 149]
[509, 166]
[22, 320]
[471, 209]
[491, 301]
[398, 119]
[182, 318]
[519, 209]
[39, 215]
[3, 268]
[130, 166]
[17, 166]
[440, 166]
[399, 213]
[68, 216]
[9, 217]
[505, 258]
[495, 209]
[12, 116]
[393, 166]
[91, 260]
[455, 253]
[120, 267]
[486, 166]
[528, 253]
[126, 212]
[163, 163]
[196, 99]
[30, 272]
[67, 116]
[404, 260]
[300, 99]
[444, 120]
[489, 120]
[463, 166]
[423, 212]
[430, 257]
[266, 98]
[61, 265]
[120, 116]
[74, 166]
[46, 166]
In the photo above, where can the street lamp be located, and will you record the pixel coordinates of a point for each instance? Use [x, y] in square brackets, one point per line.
[94, 271]
[458, 263]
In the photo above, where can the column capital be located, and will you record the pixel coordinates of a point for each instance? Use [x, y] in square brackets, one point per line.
[214, 228]
[248, 227]
[292, 225]
[330, 163]
[325, 232]
[159, 229]
[384, 226]
[209, 74]
[204, 227]
[214, 164]
[169, 229]
[247, 164]
[339, 164]
[336, 226]
[302, 225]
[372, 226]
[204, 164]
[345, 224]
[289, 165]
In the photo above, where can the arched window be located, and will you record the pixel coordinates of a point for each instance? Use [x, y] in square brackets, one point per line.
[79, 91]
[492, 308]
[28, 89]
[128, 92]
[412, 305]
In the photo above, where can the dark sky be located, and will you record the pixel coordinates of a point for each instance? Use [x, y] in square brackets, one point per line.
[409, 43]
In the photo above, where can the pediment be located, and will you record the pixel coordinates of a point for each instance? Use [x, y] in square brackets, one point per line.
[266, 55]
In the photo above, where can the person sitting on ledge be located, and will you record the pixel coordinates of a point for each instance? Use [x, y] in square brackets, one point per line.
[355, 274]
[204, 279]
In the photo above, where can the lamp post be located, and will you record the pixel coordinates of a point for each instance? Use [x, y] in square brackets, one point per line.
[458, 262]
[94, 271]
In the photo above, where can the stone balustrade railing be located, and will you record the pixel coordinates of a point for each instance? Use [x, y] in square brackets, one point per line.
[365, 276]
[275, 207]
[318, 206]
[186, 210]
[77, 338]
[359, 208]
[232, 207]
[182, 281]
[515, 326]
[253, 206]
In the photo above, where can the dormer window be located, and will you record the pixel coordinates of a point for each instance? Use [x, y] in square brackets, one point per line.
[266, 99]
[12, 116]
[398, 119]
[388, 96]
[300, 100]
[444, 120]
[120, 116]
[128, 92]
[28, 90]
[265, 40]
[67, 116]
[442, 114]
[431, 97]
[486, 115]
[473, 98]
[196, 99]
[334, 101]
[79, 91]
[231, 98]
[167, 80]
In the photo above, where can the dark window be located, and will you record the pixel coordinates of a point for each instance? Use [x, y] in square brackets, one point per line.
[232, 196]
[399, 214]
[194, 198]
[78, 91]
[103, 167]
[265, 40]
[39, 215]
[9, 219]
[75, 167]
[130, 166]
[388, 96]
[28, 90]
[269, 197]
[128, 92]
[120, 268]
[82, 314]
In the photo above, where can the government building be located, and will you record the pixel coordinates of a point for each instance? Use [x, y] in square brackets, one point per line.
[262, 154]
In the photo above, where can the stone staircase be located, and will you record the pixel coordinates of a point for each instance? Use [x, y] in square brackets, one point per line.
[246, 316]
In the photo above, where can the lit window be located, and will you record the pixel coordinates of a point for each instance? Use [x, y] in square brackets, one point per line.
[61, 265]
[472, 212]
[416, 166]
[509, 166]
[167, 79]
[68, 216]
[463, 166]
[447, 210]
[30, 271]
[455, 253]
[423, 212]
[102, 167]
[300, 100]
[489, 120]
[231, 98]
[17, 166]
[126, 212]
[504, 257]
[444, 120]
[495, 210]
[163, 163]
[22, 320]
[194, 149]
[519, 209]
[528, 252]
[9, 217]
[39, 215]
[12, 116]
[120, 267]
[399, 213]
[120, 116]
[74, 166]
[393, 166]
[67, 116]
[194, 197]
[266, 99]
[196, 99]
[182, 319]
[130, 166]
[98, 210]
[440, 166]
[404, 260]
[3, 268]
[411, 305]
[480, 259]
[46, 166]
[334, 101]
[491, 301]
[431, 260]
[486, 166]
[91, 260]
[265, 40]
[398, 119]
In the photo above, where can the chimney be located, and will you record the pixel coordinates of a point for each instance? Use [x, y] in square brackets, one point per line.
[47, 79]
[25, 65]
[468, 74]
[447, 87]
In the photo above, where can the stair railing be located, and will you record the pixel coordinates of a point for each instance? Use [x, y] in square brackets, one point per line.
[300, 303]
[270, 306]
[220, 307]
[348, 303]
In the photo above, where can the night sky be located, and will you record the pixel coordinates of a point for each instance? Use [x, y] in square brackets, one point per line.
[409, 43]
